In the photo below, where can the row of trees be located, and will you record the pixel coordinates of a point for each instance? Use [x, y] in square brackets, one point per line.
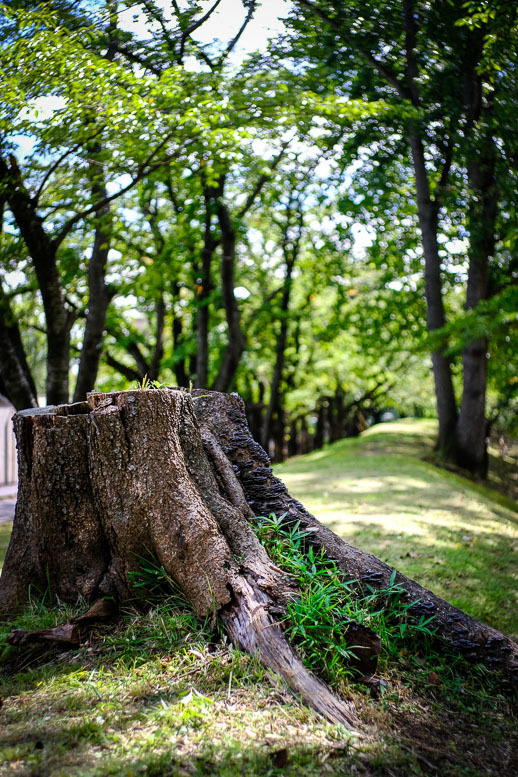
[174, 213]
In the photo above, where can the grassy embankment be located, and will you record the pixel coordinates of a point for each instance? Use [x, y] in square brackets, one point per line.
[456, 537]
[155, 696]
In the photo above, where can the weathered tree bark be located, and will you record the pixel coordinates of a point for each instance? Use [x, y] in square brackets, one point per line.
[105, 482]
[43, 251]
[470, 441]
[16, 380]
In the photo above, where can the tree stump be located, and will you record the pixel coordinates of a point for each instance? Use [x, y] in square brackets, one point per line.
[105, 482]
[177, 475]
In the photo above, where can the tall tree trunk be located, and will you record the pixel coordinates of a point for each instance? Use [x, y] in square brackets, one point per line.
[470, 448]
[100, 296]
[427, 212]
[319, 437]
[236, 342]
[42, 250]
[210, 243]
[274, 405]
[337, 416]
[182, 377]
[16, 381]
[428, 219]
[158, 350]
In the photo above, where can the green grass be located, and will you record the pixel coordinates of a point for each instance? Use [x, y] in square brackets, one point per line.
[5, 533]
[160, 695]
[455, 537]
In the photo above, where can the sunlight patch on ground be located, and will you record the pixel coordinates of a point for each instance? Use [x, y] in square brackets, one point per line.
[455, 538]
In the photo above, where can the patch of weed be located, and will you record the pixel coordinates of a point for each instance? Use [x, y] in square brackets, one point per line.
[328, 602]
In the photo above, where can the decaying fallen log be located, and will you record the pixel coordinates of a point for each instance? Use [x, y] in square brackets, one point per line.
[105, 482]
[68, 634]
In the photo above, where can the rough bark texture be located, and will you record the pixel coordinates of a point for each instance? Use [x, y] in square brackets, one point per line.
[15, 376]
[436, 318]
[42, 249]
[267, 494]
[57, 541]
[471, 449]
[106, 482]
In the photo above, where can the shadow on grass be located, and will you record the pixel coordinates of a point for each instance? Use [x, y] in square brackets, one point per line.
[411, 731]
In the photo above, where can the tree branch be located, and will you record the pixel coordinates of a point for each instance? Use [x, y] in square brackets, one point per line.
[193, 27]
[128, 372]
[381, 67]
[262, 181]
[137, 60]
[142, 171]
[412, 69]
[49, 172]
[233, 43]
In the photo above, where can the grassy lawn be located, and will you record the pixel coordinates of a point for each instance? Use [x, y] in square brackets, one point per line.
[5, 533]
[160, 695]
[455, 537]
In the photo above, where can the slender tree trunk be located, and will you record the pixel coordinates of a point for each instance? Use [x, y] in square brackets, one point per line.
[236, 340]
[274, 405]
[99, 298]
[305, 444]
[293, 447]
[445, 396]
[320, 431]
[278, 434]
[158, 350]
[428, 219]
[210, 243]
[337, 416]
[471, 449]
[16, 380]
[182, 377]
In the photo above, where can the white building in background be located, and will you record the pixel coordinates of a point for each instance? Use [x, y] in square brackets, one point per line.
[8, 463]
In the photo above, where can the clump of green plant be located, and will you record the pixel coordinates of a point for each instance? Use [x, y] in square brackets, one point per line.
[146, 383]
[317, 619]
[152, 584]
